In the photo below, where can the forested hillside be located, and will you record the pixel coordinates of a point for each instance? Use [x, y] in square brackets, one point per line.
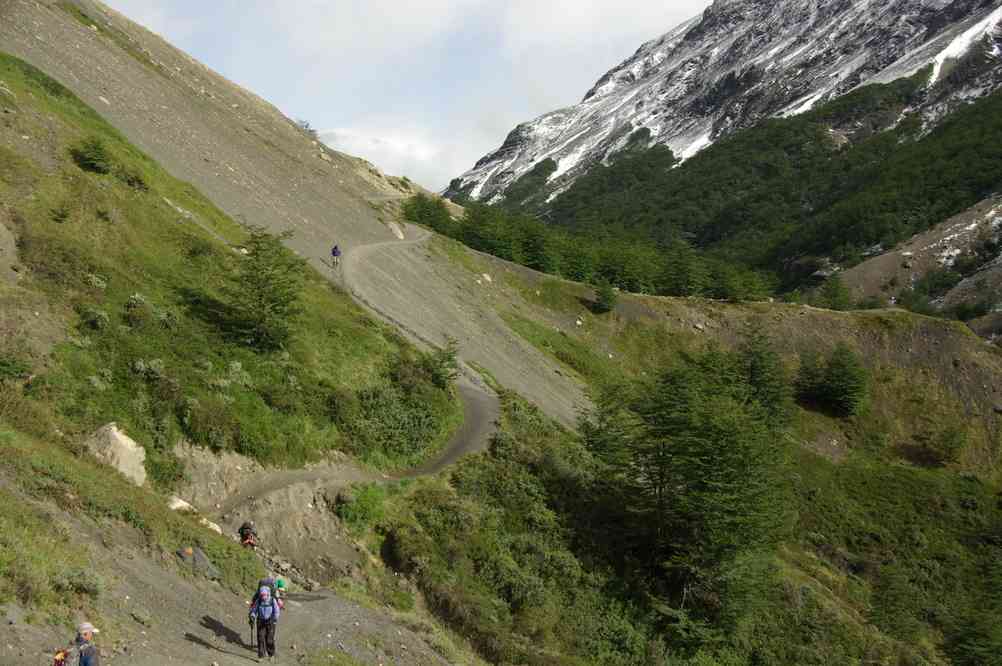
[762, 211]
[730, 500]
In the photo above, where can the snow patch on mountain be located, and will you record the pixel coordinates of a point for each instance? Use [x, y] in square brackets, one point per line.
[804, 106]
[693, 148]
[963, 42]
[739, 62]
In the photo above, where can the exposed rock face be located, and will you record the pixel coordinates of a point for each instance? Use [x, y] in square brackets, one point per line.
[113, 447]
[745, 60]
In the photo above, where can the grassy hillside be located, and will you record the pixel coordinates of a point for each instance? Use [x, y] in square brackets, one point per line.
[886, 531]
[123, 298]
[140, 272]
[50, 571]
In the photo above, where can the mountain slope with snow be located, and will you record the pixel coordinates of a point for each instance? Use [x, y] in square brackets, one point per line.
[743, 61]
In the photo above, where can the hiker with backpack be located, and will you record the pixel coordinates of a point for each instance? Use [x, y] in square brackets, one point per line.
[248, 535]
[83, 649]
[277, 588]
[264, 612]
[336, 256]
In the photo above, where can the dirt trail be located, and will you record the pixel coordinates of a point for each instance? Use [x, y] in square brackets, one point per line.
[481, 409]
[429, 299]
[313, 622]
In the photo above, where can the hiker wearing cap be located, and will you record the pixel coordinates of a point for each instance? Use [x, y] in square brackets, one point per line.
[83, 647]
[89, 656]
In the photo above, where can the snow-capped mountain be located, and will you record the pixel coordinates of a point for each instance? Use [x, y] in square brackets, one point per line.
[740, 62]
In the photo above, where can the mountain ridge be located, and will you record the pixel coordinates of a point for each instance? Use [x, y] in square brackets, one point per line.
[736, 64]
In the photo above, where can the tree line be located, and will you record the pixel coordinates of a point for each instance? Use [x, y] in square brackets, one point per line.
[625, 262]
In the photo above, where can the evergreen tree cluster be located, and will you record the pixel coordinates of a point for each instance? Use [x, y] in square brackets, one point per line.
[624, 262]
[762, 209]
[839, 384]
[784, 194]
[694, 464]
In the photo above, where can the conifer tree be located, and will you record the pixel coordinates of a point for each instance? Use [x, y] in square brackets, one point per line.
[763, 370]
[845, 382]
[834, 295]
[605, 296]
[265, 294]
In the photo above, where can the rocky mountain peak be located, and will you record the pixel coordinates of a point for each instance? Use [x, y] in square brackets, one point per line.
[737, 63]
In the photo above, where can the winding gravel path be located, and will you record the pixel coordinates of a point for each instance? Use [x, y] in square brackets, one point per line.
[481, 407]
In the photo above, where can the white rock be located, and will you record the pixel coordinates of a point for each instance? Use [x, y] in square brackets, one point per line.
[175, 503]
[113, 447]
[205, 522]
[487, 279]
[105, 100]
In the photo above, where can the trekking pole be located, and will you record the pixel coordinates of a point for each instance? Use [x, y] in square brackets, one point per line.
[253, 640]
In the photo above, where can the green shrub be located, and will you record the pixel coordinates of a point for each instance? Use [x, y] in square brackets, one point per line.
[840, 385]
[443, 364]
[266, 292]
[92, 155]
[844, 384]
[132, 177]
[95, 319]
[363, 507]
[12, 368]
[60, 214]
[210, 422]
[605, 297]
[834, 295]
[940, 447]
[78, 581]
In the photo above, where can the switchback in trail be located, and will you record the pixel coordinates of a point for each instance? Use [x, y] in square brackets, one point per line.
[481, 407]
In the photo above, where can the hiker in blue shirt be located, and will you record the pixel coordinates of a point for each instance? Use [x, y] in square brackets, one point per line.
[336, 255]
[265, 611]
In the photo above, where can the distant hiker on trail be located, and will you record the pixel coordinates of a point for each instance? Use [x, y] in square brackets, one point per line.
[248, 535]
[336, 255]
[83, 646]
[265, 611]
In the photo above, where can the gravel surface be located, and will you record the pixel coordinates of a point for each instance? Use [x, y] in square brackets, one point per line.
[258, 167]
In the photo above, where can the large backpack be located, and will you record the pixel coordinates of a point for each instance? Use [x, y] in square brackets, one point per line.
[269, 583]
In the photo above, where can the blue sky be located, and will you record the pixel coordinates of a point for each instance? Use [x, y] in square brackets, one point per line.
[422, 88]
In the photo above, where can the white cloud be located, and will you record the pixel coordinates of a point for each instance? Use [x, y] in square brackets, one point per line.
[411, 152]
[379, 30]
[421, 88]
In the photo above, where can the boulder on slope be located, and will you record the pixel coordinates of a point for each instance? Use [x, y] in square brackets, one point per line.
[113, 447]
